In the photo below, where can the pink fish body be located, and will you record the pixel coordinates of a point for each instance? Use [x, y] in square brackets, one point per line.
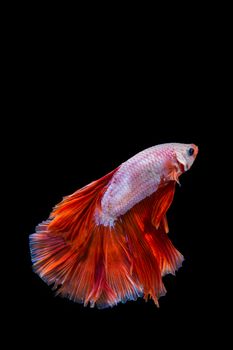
[139, 177]
[90, 244]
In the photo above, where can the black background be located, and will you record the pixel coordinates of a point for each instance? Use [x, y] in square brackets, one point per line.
[81, 110]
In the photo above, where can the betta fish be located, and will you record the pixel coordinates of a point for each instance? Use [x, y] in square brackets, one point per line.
[108, 242]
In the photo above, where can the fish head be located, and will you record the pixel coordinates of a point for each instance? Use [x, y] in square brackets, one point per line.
[186, 154]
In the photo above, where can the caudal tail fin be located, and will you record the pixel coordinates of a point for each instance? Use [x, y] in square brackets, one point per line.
[90, 263]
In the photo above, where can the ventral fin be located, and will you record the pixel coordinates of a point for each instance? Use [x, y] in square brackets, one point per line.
[162, 201]
[165, 224]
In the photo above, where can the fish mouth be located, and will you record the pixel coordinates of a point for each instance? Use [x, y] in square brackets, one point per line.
[196, 150]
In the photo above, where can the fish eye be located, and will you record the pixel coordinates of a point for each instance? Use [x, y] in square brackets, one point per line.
[190, 151]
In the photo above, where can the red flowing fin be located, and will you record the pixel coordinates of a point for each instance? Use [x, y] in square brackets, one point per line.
[162, 201]
[67, 216]
[67, 250]
[145, 268]
[98, 265]
[165, 224]
[84, 262]
[168, 258]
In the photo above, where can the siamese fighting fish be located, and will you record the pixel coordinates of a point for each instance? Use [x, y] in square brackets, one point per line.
[108, 242]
